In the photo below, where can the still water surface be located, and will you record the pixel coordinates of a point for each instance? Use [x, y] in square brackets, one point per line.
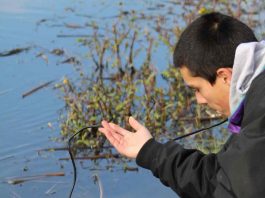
[23, 121]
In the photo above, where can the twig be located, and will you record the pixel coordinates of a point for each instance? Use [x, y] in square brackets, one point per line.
[36, 89]
[51, 190]
[5, 92]
[65, 148]
[127, 168]
[20, 180]
[14, 51]
[72, 35]
[130, 61]
[73, 26]
[122, 169]
[98, 181]
[6, 157]
[102, 156]
[200, 118]
[15, 195]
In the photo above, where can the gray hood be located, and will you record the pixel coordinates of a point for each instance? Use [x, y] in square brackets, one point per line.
[249, 62]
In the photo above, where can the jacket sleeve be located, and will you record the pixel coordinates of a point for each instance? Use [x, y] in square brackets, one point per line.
[189, 172]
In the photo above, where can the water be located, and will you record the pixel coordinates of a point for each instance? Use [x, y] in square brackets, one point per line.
[24, 121]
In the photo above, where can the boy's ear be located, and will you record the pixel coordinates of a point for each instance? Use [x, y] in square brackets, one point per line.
[225, 74]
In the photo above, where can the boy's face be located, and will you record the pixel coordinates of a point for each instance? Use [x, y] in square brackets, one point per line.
[216, 96]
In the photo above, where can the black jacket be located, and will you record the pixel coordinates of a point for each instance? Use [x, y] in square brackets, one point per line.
[238, 170]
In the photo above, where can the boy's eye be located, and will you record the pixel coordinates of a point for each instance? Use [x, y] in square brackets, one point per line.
[196, 89]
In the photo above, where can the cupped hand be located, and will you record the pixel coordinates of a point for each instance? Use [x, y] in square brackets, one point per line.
[126, 142]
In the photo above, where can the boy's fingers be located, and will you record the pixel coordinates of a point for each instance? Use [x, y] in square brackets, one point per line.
[106, 125]
[118, 129]
[103, 130]
[113, 137]
[134, 123]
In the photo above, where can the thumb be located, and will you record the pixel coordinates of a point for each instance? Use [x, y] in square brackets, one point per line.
[134, 123]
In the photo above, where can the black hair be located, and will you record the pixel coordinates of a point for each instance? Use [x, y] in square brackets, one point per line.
[209, 43]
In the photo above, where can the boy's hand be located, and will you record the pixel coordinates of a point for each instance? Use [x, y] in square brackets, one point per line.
[127, 143]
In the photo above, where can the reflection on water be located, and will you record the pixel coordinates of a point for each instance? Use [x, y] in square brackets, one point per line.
[23, 122]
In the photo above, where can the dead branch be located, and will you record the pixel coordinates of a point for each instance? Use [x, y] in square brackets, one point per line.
[36, 89]
[95, 157]
[19, 180]
[14, 51]
[98, 181]
[200, 118]
[73, 35]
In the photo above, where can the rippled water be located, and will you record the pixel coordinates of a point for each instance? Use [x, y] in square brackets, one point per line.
[23, 121]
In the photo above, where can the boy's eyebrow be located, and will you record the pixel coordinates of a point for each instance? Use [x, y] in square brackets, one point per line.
[190, 86]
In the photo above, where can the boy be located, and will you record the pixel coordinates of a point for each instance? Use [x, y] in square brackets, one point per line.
[221, 59]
